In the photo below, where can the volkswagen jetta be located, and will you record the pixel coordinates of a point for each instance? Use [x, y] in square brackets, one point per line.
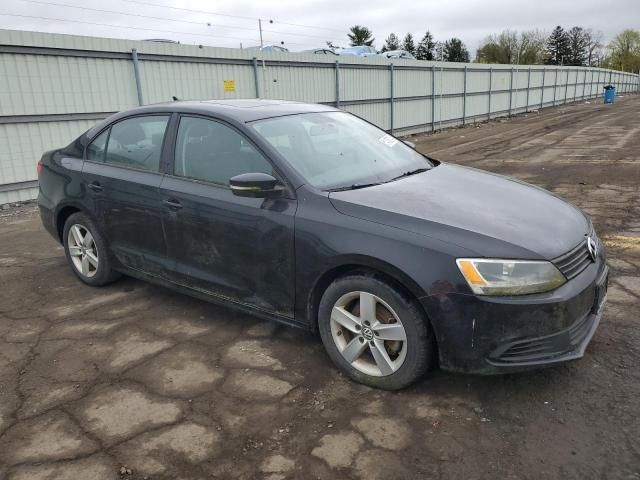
[313, 217]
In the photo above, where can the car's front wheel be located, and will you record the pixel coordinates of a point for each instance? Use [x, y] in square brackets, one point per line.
[86, 251]
[375, 333]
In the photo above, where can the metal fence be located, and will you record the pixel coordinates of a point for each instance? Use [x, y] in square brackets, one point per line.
[53, 87]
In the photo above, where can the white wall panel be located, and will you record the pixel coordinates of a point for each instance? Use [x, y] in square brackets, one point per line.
[500, 79]
[378, 113]
[44, 84]
[448, 82]
[362, 84]
[191, 81]
[534, 99]
[24, 143]
[448, 108]
[411, 112]
[411, 83]
[477, 81]
[477, 105]
[500, 102]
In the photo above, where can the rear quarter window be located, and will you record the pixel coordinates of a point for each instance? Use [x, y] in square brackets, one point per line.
[96, 149]
[137, 142]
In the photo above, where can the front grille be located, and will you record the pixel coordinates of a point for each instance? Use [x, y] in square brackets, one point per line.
[576, 260]
[549, 347]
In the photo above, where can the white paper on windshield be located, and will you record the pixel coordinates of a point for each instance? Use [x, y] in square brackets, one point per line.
[388, 140]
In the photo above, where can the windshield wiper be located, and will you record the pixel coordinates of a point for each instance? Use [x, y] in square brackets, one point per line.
[355, 186]
[408, 174]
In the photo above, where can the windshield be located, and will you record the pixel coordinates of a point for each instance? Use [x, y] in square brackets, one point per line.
[338, 150]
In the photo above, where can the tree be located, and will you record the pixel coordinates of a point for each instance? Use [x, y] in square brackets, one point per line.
[624, 51]
[578, 44]
[360, 35]
[501, 48]
[439, 51]
[531, 48]
[391, 43]
[594, 47]
[425, 48]
[408, 44]
[455, 51]
[509, 47]
[557, 46]
[331, 45]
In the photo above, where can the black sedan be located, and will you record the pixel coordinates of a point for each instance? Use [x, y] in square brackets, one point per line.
[310, 216]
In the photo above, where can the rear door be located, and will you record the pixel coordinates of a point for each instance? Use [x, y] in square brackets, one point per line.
[122, 178]
[235, 248]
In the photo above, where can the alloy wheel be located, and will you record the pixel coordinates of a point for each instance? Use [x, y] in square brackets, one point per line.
[83, 250]
[368, 334]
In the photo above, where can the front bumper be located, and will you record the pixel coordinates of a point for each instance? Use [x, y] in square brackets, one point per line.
[568, 344]
[482, 334]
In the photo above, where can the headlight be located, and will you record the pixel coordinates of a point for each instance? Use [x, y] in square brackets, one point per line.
[509, 277]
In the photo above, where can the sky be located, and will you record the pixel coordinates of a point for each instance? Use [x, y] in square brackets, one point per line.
[304, 24]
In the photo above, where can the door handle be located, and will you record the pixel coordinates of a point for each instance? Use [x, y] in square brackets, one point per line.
[172, 204]
[95, 186]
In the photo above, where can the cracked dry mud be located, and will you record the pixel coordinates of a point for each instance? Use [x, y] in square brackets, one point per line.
[92, 380]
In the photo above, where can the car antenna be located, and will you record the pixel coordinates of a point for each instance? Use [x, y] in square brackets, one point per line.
[175, 99]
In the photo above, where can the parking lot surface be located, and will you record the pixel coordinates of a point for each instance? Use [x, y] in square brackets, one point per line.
[135, 381]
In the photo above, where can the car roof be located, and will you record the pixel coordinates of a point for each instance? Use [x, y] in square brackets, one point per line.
[240, 110]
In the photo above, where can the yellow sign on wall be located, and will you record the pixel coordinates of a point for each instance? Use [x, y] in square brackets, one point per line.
[229, 85]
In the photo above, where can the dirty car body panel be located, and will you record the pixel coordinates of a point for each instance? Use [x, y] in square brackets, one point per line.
[274, 257]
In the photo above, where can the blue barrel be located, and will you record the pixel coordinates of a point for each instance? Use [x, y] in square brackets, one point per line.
[609, 93]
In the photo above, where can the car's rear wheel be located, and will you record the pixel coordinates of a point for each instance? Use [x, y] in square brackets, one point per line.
[86, 251]
[375, 333]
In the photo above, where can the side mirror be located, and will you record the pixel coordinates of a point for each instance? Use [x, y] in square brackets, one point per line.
[411, 144]
[255, 185]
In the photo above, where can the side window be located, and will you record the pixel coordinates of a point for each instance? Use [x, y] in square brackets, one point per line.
[210, 151]
[95, 150]
[137, 142]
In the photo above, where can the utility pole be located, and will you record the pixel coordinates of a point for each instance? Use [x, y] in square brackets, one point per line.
[260, 28]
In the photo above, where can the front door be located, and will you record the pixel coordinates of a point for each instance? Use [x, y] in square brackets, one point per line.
[235, 248]
[122, 177]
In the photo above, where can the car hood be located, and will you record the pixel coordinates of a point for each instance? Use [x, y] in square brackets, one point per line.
[489, 214]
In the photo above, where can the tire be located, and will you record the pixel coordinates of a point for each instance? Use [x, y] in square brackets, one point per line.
[396, 317]
[86, 251]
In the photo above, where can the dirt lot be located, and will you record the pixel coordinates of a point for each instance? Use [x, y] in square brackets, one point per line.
[134, 381]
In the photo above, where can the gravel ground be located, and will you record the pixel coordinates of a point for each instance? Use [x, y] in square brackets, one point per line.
[134, 381]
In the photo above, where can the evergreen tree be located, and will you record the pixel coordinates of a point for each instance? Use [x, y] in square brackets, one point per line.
[455, 51]
[425, 48]
[391, 43]
[360, 35]
[578, 47]
[408, 44]
[557, 46]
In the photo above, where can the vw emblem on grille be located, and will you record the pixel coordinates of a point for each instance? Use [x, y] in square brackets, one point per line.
[592, 246]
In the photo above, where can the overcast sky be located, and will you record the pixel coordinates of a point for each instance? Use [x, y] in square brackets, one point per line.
[320, 20]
